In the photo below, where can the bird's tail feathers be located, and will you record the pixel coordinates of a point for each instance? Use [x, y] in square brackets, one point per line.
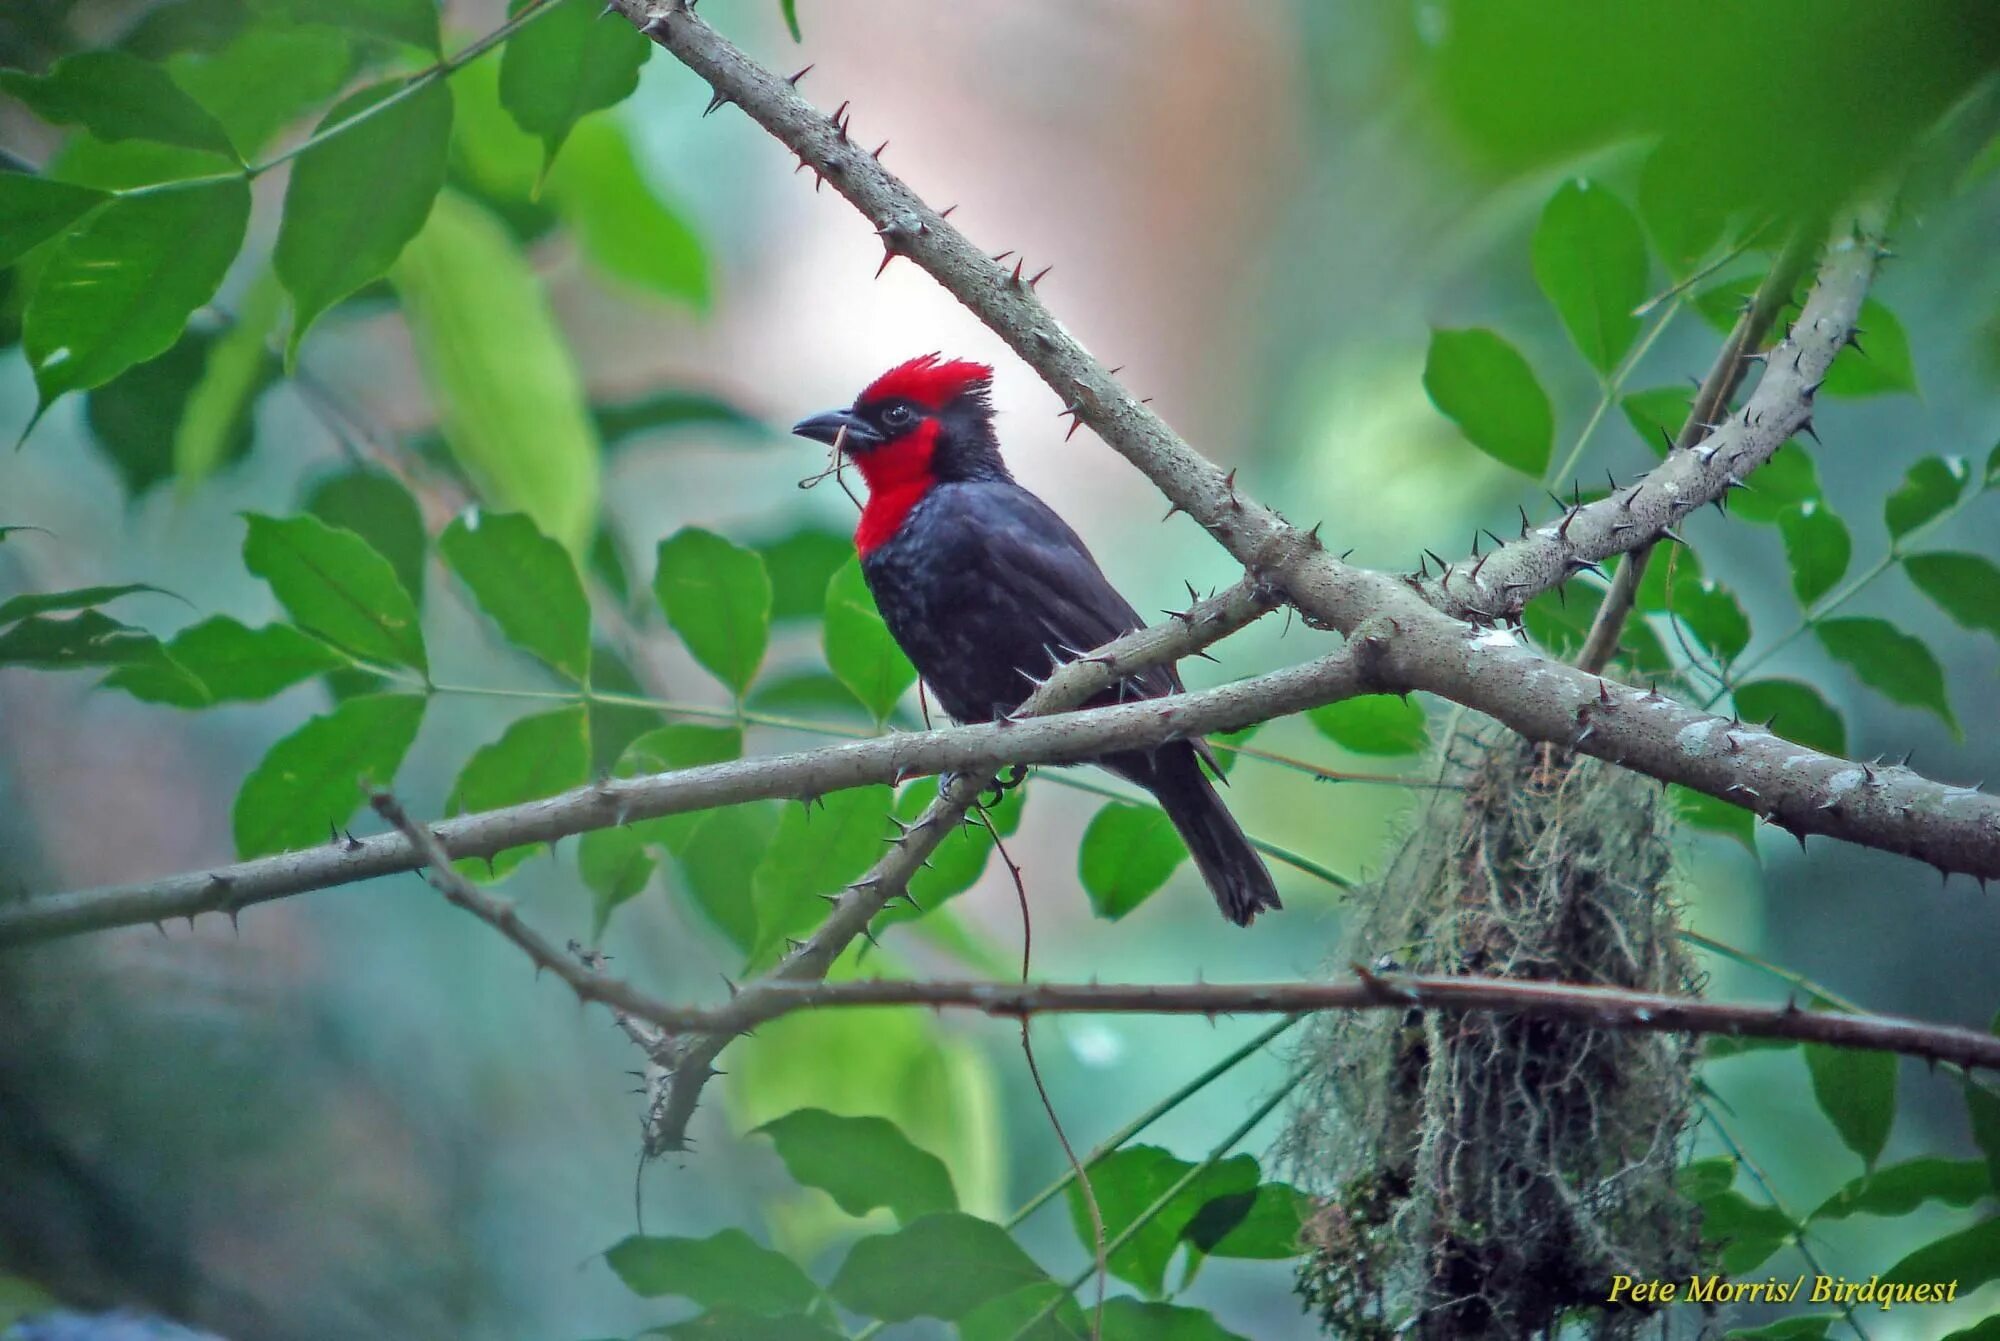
[1236, 875]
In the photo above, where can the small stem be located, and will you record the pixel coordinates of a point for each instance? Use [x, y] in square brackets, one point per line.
[1612, 386]
[1711, 402]
[458, 60]
[1898, 550]
[1166, 1198]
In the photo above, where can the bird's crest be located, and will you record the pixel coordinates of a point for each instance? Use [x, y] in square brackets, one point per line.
[930, 380]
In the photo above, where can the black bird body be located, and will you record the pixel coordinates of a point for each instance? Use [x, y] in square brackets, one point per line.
[987, 590]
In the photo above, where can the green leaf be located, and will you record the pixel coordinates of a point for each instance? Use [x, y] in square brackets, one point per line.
[1747, 1232]
[267, 77]
[216, 417]
[333, 584]
[1700, 1179]
[1857, 1092]
[1701, 811]
[1657, 415]
[375, 506]
[734, 1324]
[1705, 608]
[669, 410]
[1483, 385]
[1385, 724]
[1901, 1188]
[615, 867]
[536, 756]
[526, 582]
[118, 290]
[414, 22]
[859, 648]
[34, 209]
[717, 597]
[1964, 586]
[1786, 481]
[565, 66]
[1590, 260]
[1127, 1183]
[862, 1163]
[1971, 1257]
[135, 417]
[729, 1269]
[938, 1266]
[312, 778]
[1262, 1223]
[1007, 1317]
[511, 404]
[1889, 661]
[42, 602]
[1927, 491]
[1884, 368]
[667, 749]
[1127, 854]
[117, 96]
[1796, 711]
[716, 876]
[801, 564]
[231, 662]
[818, 849]
[790, 10]
[1987, 1329]
[1811, 1327]
[1129, 1319]
[1817, 549]
[90, 639]
[1982, 1111]
[626, 229]
[358, 198]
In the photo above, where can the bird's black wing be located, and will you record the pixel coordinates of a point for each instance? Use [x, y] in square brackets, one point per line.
[1040, 566]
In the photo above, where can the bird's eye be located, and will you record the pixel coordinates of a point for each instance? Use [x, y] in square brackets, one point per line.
[898, 416]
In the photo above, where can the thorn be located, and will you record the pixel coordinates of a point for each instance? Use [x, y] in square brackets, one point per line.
[1172, 508]
[1036, 278]
[1525, 524]
[793, 79]
[876, 152]
[1562, 531]
[1001, 256]
[352, 844]
[1671, 534]
[838, 113]
[1806, 427]
[1626, 502]
[945, 213]
[718, 100]
[1498, 543]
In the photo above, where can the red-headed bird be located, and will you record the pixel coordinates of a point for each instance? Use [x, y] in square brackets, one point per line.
[987, 590]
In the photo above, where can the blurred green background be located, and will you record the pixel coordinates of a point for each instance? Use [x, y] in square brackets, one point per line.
[360, 1116]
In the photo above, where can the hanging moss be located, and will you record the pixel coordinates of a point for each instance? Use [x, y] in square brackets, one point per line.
[1485, 1175]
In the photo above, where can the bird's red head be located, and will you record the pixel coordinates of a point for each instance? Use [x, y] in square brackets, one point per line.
[919, 424]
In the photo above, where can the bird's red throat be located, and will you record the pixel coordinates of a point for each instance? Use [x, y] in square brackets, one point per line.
[898, 474]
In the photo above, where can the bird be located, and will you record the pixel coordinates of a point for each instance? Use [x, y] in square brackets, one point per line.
[988, 591]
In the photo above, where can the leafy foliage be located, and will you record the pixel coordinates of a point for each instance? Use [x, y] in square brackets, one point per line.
[1485, 387]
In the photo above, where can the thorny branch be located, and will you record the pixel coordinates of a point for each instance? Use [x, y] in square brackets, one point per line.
[345, 858]
[1708, 410]
[687, 1063]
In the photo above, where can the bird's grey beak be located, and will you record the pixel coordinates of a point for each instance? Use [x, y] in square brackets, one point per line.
[828, 427]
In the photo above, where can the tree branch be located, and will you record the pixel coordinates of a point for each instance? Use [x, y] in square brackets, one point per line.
[883, 759]
[1710, 406]
[1893, 808]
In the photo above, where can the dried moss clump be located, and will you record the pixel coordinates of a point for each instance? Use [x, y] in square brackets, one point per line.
[1486, 1175]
